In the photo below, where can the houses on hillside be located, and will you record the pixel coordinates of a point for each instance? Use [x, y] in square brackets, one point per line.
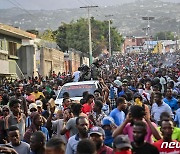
[141, 44]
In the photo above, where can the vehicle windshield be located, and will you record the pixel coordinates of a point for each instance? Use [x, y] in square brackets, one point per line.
[77, 90]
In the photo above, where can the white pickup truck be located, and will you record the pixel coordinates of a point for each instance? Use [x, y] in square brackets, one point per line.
[75, 90]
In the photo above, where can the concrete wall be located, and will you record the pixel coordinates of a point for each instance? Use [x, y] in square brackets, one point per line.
[51, 60]
[75, 61]
[8, 62]
[85, 60]
[4, 62]
[4, 67]
[26, 60]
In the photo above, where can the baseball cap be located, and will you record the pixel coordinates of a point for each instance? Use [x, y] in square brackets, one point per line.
[125, 81]
[32, 105]
[118, 83]
[122, 141]
[39, 103]
[5, 107]
[97, 130]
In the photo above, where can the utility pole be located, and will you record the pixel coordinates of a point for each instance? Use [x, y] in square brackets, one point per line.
[90, 39]
[110, 52]
[148, 29]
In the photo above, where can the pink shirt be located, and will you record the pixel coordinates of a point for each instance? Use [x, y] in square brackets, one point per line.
[128, 130]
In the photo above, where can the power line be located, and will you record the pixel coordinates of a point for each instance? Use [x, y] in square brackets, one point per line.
[88, 2]
[97, 10]
[21, 7]
[82, 2]
[19, 4]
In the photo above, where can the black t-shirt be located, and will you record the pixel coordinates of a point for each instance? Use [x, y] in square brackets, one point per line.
[147, 148]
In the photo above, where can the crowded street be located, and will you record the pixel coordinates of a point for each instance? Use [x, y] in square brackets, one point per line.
[89, 76]
[120, 104]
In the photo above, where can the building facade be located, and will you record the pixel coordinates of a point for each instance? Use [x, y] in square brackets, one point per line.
[10, 48]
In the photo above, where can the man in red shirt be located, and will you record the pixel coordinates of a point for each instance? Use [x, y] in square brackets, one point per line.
[167, 145]
[88, 106]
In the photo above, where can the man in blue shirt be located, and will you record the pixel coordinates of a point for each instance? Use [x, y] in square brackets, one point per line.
[170, 100]
[117, 114]
[158, 107]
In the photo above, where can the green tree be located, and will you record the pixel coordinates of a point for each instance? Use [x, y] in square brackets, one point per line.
[75, 35]
[48, 35]
[165, 36]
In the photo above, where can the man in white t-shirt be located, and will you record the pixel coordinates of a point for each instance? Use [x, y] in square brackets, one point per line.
[76, 76]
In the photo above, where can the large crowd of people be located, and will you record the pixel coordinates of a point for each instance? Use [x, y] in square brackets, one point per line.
[135, 110]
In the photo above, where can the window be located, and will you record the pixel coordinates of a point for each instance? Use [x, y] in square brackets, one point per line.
[133, 40]
[12, 48]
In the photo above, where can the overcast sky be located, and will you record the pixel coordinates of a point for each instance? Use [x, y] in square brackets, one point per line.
[60, 4]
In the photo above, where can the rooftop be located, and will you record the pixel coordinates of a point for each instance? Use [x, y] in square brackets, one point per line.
[15, 32]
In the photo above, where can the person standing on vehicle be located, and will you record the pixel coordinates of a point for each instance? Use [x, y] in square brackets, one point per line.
[96, 71]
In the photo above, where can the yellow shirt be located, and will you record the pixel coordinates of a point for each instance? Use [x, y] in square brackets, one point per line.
[175, 134]
[37, 95]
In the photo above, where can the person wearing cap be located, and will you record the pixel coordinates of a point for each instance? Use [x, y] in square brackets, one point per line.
[126, 91]
[32, 108]
[122, 145]
[114, 89]
[39, 106]
[97, 135]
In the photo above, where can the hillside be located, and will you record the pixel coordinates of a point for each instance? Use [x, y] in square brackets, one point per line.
[127, 17]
